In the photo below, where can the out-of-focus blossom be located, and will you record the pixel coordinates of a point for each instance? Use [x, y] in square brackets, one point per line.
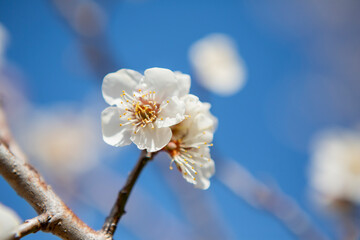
[217, 64]
[335, 169]
[145, 107]
[189, 146]
[8, 221]
[63, 141]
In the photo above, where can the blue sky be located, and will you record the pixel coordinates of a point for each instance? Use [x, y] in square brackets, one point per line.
[267, 126]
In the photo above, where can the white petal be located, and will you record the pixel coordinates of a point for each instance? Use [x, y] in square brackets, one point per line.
[195, 106]
[184, 82]
[200, 179]
[203, 122]
[113, 133]
[206, 171]
[165, 83]
[189, 178]
[202, 182]
[152, 139]
[198, 137]
[122, 80]
[172, 112]
[192, 103]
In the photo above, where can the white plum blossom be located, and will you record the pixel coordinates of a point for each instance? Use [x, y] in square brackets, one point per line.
[217, 64]
[335, 168]
[189, 146]
[62, 140]
[143, 107]
[8, 221]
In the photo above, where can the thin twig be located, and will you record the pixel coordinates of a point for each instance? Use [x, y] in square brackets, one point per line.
[240, 182]
[29, 226]
[118, 210]
[85, 21]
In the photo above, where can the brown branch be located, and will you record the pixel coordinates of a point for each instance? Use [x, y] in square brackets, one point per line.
[27, 182]
[118, 210]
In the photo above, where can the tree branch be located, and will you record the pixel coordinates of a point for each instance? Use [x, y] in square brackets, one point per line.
[29, 226]
[27, 182]
[118, 210]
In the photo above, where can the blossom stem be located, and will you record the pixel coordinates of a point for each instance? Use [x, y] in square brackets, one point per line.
[118, 210]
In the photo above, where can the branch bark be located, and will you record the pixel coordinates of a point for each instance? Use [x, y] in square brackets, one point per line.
[118, 210]
[27, 182]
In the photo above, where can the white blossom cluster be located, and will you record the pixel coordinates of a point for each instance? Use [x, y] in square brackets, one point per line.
[156, 112]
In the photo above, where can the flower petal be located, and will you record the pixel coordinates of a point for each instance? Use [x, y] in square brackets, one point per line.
[162, 81]
[113, 133]
[184, 82]
[172, 112]
[198, 138]
[152, 139]
[203, 122]
[114, 83]
[199, 176]
[205, 168]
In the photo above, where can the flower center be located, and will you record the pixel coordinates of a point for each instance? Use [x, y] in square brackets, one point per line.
[145, 111]
[173, 148]
[141, 108]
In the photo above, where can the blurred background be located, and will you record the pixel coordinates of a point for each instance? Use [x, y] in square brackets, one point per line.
[283, 80]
